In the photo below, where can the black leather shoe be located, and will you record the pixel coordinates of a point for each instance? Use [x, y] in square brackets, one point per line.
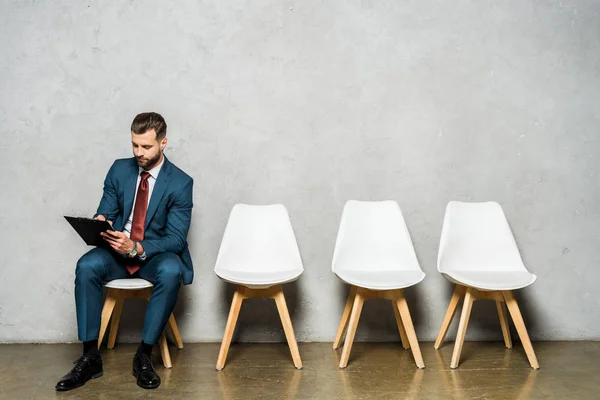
[86, 368]
[143, 370]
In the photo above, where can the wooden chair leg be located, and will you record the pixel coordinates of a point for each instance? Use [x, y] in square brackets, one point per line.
[517, 318]
[345, 317]
[114, 323]
[504, 324]
[175, 331]
[410, 331]
[164, 351]
[458, 293]
[462, 327]
[403, 337]
[287, 327]
[352, 325]
[234, 313]
[107, 310]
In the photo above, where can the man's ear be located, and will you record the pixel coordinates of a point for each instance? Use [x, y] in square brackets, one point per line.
[163, 144]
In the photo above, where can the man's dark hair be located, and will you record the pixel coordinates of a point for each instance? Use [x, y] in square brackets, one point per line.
[147, 121]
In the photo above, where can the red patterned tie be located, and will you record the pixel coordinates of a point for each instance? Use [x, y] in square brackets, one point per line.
[139, 216]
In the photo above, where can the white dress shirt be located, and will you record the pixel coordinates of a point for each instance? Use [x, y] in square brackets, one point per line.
[151, 181]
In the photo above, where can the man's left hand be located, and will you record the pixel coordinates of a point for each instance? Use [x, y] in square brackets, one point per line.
[118, 241]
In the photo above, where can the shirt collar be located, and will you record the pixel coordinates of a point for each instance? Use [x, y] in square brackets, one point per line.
[154, 171]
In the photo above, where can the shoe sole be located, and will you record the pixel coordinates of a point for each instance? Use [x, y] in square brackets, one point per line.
[98, 375]
[144, 387]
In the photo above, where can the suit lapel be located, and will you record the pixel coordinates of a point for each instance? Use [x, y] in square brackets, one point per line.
[129, 191]
[164, 177]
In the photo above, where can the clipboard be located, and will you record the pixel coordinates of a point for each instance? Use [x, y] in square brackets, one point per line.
[89, 229]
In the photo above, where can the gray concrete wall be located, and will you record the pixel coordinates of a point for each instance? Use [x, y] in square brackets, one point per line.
[309, 104]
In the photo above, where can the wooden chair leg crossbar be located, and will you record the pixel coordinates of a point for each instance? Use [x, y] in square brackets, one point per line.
[242, 293]
[501, 298]
[113, 306]
[351, 315]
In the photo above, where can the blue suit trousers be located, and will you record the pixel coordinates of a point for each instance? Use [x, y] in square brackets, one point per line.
[164, 271]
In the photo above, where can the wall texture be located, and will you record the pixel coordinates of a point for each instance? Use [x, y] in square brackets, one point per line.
[306, 103]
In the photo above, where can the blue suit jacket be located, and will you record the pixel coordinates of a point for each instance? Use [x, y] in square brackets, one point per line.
[169, 211]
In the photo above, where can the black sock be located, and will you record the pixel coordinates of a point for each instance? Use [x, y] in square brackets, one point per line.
[91, 348]
[145, 348]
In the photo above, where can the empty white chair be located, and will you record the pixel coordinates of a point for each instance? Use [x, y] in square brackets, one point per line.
[479, 254]
[259, 253]
[375, 255]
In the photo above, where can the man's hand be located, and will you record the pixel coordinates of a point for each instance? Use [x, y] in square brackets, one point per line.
[101, 217]
[118, 241]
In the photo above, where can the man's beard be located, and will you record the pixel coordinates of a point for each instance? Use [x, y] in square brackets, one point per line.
[150, 163]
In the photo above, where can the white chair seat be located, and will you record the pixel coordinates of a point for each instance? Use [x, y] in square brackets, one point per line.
[128, 284]
[381, 280]
[491, 280]
[259, 248]
[258, 279]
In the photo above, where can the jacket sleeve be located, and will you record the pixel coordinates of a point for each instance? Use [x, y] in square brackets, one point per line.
[178, 224]
[109, 204]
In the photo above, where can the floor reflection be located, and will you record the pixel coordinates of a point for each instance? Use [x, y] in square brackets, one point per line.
[463, 383]
[289, 382]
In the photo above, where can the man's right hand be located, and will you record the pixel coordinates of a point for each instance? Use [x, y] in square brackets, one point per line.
[102, 218]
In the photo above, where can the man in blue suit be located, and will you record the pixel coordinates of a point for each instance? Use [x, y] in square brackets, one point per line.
[148, 201]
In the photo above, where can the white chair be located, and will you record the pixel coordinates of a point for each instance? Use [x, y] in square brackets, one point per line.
[118, 291]
[479, 254]
[375, 255]
[259, 253]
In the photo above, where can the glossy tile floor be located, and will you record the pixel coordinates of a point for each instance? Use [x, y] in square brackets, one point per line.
[569, 370]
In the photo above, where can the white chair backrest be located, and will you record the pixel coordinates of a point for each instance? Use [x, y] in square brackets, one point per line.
[373, 236]
[259, 239]
[477, 237]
